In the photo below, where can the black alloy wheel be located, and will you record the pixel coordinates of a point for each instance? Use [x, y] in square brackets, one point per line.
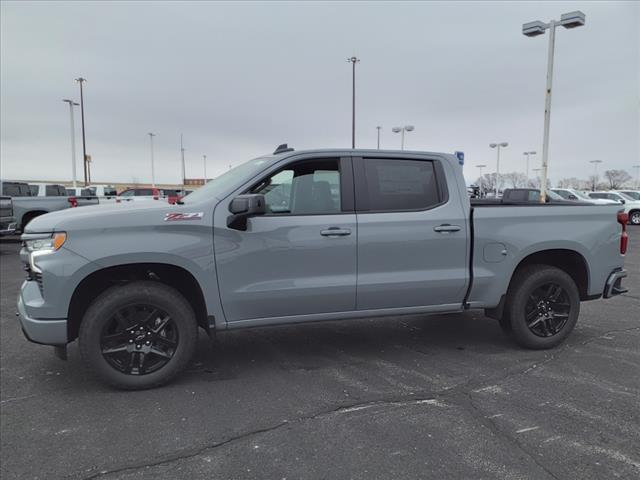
[139, 339]
[547, 310]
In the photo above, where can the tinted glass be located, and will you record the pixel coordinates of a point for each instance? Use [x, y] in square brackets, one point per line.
[109, 192]
[51, 191]
[127, 193]
[400, 184]
[15, 190]
[86, 192]
[34, 189]
[307, 187]
[62, 192]
[563, 193]
[143, 192]
[71, 192]
[632, 194]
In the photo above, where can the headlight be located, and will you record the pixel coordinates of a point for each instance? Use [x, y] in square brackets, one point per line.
[42, 245]
[46, 245]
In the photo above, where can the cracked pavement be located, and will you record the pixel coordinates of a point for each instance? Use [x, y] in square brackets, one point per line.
[445, 396]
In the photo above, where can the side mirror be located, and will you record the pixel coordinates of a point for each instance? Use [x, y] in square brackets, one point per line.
[572, 197]
[622, 201]
[243, 207]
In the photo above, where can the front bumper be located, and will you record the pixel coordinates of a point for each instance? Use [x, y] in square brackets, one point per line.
[613, 286]
[46, 332]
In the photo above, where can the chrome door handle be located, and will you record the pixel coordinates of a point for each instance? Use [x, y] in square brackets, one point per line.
[447, 228]
[335, 232]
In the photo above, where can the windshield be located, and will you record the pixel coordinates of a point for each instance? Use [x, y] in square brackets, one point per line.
[627, 197]
[632, 194]
[581, 195]
[215, 188]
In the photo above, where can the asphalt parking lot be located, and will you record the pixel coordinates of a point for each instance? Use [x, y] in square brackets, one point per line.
[417, 397]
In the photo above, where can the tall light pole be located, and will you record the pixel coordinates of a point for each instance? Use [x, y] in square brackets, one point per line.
[637, 167]
[498, 145]
[204, 161]
[353, 60]
[73, 139]
[595, 173]
[533, 29]
[378, 128]
[481, 167]
[81, 80]
[527, 155]
[401, 130]
[184, 173]
[153, 171]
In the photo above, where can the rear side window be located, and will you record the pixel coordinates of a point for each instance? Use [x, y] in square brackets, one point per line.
[71, 192]
[87, 192]
[143, 192]
[15, 190]
[34, 189]
[109, 192]
[396, 184]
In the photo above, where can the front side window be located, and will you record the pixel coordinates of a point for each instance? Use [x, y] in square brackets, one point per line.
[34, 189]
[51, 191]
[143, 192]
[303, 188]
[395, 184]
[127, 193]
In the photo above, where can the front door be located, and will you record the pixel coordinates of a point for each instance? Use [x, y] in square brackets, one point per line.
[300, 257]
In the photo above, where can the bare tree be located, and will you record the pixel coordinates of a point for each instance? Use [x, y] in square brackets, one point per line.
[515, 179]
[616, 178]
[571, 182]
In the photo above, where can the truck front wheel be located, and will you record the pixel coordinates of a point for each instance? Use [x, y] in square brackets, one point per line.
[542, 307]
[139, 335]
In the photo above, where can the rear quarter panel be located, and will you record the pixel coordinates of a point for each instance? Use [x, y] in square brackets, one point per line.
[591, 231]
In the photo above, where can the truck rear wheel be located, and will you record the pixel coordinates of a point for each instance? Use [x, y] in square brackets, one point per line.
[139, 335]
[542, 307]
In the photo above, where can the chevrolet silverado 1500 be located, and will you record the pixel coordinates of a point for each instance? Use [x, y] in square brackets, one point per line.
[303, 237]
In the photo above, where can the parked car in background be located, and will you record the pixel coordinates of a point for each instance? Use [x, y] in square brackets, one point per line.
[47, 190]
[528, 195]
[304, 237]
[105, 193]
[81, 196]
[26, 206]
[576, 195]
[635, 194]
[631, 206]
[137, 194]
[7, 219]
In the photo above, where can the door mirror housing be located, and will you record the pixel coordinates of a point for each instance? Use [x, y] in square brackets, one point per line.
[244, 206]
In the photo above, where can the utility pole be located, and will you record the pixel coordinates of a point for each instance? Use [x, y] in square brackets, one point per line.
[81, 80]
[533, 29]
[204, 161]
[184, 187]
[153, 171]
[481, 167]
[498, 146]
[353, 60]
[595, 174]
[527, 155]
[379, 127]
[73, 139]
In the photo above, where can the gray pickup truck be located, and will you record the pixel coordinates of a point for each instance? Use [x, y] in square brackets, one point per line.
[304, 237]
[29, 204]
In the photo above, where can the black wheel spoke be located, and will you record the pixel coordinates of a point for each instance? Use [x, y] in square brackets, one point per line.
[165, 342]
[159, 352]
[114, 350]
[161, 325]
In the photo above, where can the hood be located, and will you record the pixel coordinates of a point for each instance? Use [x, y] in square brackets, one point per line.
[104, 216]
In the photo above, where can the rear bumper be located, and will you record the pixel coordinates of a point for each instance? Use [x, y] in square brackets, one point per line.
[45, 332]
[8, 227]
[613, 286]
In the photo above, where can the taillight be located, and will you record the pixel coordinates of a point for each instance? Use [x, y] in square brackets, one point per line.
[623, 219]
[73, 201]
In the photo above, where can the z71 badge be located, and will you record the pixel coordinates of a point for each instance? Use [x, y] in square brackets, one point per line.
[176, 216]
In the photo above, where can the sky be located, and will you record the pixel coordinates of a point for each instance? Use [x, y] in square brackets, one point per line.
[237, 79]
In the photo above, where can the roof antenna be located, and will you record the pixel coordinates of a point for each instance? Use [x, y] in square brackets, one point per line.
[282, 148]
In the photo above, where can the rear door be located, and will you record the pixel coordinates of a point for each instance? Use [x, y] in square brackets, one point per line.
[412, 234]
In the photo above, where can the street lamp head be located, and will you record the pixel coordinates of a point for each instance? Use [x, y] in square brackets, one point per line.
[396, 129]
[409, 128]
[572, 19]
[504, 144]
[480, 166]
[353, 59]
[80, 79]
[533, 29]
[493, 145]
